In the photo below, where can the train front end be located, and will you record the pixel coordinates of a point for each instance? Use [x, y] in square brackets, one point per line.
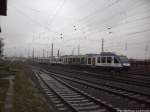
[124, 62]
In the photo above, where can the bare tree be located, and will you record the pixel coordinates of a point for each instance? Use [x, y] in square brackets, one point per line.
[1, 47]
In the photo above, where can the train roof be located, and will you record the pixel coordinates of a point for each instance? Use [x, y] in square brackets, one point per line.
[103, 54]
[107, 54]
[92, 54]
[70, 56]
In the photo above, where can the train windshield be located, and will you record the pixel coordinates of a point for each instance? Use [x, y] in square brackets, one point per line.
[124, 59]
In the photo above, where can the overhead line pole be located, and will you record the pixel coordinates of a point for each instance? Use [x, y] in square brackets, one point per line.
[78, 49]
[58, 54]
[102, 48]
[52, 53]
[33, 53]
[43, 53]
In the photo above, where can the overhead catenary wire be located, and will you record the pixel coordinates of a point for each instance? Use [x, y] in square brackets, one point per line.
[95, 12]
[133, 21]
[33, 20]
[90, 34]
[57, 12]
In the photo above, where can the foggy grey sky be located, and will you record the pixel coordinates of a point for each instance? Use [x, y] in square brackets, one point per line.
[124, 24]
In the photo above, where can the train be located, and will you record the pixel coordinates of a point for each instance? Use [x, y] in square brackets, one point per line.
[107, 60]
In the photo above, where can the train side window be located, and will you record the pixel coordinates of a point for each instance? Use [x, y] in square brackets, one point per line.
[98, 60]
[89, 60]
[115, 60]
[73, 59]
[103, 59]
[65, 60]
[109, 59]
[78, 60]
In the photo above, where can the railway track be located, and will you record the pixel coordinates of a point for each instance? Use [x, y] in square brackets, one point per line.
[133, 100]
[110, 84]
[67, 98]
[122, 78]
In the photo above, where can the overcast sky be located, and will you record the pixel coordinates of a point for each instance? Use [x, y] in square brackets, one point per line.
[124, 25]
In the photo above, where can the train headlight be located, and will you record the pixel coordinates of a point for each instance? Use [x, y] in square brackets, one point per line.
[126, 64]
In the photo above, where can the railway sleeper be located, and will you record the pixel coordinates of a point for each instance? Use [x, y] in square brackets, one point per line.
[83, 104]
[88, 108]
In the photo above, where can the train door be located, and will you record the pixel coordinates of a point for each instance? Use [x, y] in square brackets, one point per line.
[89, 61]
[93, 61]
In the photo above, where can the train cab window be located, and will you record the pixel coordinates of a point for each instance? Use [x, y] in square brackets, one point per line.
[109, 59]
[98, 60]
[115, 60]
[89, 60]
[103, 59]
